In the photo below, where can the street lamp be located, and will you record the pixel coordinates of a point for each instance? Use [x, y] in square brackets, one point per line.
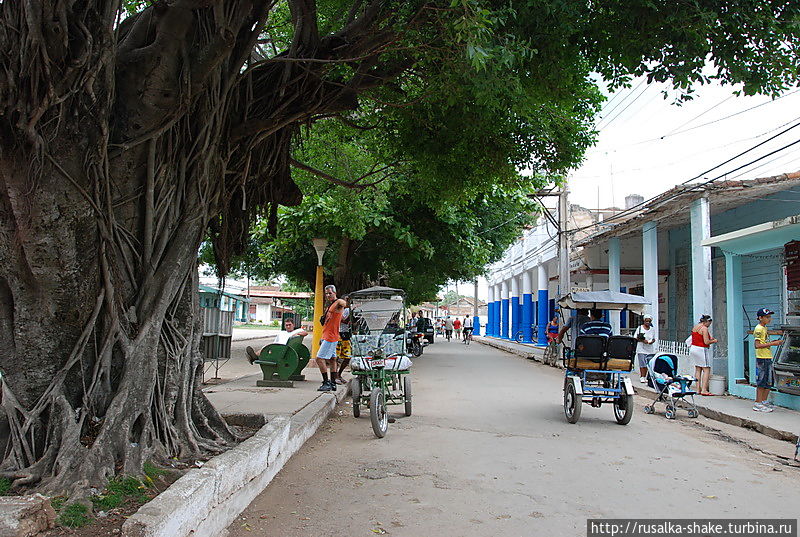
[319, 246]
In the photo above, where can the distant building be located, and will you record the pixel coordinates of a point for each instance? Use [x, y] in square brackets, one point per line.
[268, 303]
[463, 306]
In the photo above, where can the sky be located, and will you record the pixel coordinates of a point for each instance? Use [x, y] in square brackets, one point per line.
[646, 144]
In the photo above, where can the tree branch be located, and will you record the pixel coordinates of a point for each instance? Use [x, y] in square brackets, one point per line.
[355, 185]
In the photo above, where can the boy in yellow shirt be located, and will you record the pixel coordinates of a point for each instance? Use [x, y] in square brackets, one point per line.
[763, 360]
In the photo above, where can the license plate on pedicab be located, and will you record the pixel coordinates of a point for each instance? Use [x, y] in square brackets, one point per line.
[377, 362]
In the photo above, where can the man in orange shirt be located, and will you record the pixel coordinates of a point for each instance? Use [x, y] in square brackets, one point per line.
[326, 355]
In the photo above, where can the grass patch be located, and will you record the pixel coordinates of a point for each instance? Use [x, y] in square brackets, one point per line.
[75, 515]
[118, 490]
[5, 485]
[152, 471]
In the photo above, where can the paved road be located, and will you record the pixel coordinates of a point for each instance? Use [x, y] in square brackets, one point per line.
[488, 452]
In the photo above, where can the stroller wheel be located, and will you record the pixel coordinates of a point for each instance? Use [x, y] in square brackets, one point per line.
[692, 413]
[648, 409]
[670, 413]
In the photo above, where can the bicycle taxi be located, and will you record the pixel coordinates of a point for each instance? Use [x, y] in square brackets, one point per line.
[596, 366]
[380, 365]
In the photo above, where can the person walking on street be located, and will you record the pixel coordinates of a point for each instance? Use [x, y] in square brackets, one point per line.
[645, 347]
[700, 352]
[764, 378]
[448, 328]
[457, 328]
[326, 354]
[467, 328]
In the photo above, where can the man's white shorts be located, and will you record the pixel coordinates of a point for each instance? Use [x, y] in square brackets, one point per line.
[327, 349]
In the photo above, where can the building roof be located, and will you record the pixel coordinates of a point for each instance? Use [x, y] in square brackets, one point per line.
[669, 208]
[208, 289]
[268, 291]
[470, 300]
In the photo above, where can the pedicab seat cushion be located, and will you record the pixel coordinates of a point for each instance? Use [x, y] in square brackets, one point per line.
[619, 364]
[583, 363]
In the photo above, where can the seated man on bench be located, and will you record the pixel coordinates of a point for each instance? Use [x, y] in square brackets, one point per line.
[281, 338]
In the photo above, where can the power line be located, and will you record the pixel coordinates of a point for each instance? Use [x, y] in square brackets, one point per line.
[680, 192]
[610, 121]
[701, 114]
[683, 158]
[715, 120]
[609, 112]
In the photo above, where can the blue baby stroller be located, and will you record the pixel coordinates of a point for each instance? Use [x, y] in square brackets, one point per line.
[662, 375]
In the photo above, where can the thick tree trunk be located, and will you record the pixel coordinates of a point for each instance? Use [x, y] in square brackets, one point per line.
[92, 387]
[121, 146]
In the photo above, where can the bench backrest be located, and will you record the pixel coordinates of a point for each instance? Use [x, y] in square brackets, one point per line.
[591, 347]
[621, 347]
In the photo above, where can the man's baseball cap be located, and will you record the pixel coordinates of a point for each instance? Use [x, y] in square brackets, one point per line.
[764, 311]
[647, 316]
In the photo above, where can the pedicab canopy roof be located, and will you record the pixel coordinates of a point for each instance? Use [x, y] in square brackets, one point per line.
[605, 300]
[377, 290]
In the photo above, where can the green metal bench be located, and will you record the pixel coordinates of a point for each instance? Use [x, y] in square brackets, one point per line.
[282, 364]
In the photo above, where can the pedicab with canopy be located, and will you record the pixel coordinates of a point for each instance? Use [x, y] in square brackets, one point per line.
[596, 366]
[379, 364]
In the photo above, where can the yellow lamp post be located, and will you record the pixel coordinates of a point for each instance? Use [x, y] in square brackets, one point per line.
[319, 303]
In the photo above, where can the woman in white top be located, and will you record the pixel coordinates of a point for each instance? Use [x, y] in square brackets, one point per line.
[646, 346]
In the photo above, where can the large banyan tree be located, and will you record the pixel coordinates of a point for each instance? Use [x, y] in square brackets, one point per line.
[131, 131]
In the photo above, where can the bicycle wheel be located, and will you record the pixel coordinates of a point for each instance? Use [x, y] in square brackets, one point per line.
[377, 413]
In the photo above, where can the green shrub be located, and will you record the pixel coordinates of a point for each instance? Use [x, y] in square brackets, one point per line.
[5, 485]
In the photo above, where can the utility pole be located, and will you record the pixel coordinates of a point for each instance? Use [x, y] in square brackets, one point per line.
[563, 243]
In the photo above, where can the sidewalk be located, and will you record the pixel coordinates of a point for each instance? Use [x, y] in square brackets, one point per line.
[242, 397]
[782, 424]
[207, 499]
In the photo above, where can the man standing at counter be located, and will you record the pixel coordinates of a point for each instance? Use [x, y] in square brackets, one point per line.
[764, 360]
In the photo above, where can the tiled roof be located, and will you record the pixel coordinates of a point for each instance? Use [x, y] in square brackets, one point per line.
[670, 208]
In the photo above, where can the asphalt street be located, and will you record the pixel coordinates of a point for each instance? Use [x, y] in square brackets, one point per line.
[488, 452]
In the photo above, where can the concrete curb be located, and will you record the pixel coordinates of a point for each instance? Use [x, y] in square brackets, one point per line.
[730, 419]
[526, 351]
[205, 501]
[531, 353]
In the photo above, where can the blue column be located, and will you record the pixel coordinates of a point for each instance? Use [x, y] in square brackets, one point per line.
[497, 317]
[623, 315]
[476, 325]
[527, 311]
[490, 311]
[505, 324]
[543, 303]
[542, 300]
[514, 316]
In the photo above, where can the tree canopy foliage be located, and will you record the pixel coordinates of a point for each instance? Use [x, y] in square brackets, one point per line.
[131, 131]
